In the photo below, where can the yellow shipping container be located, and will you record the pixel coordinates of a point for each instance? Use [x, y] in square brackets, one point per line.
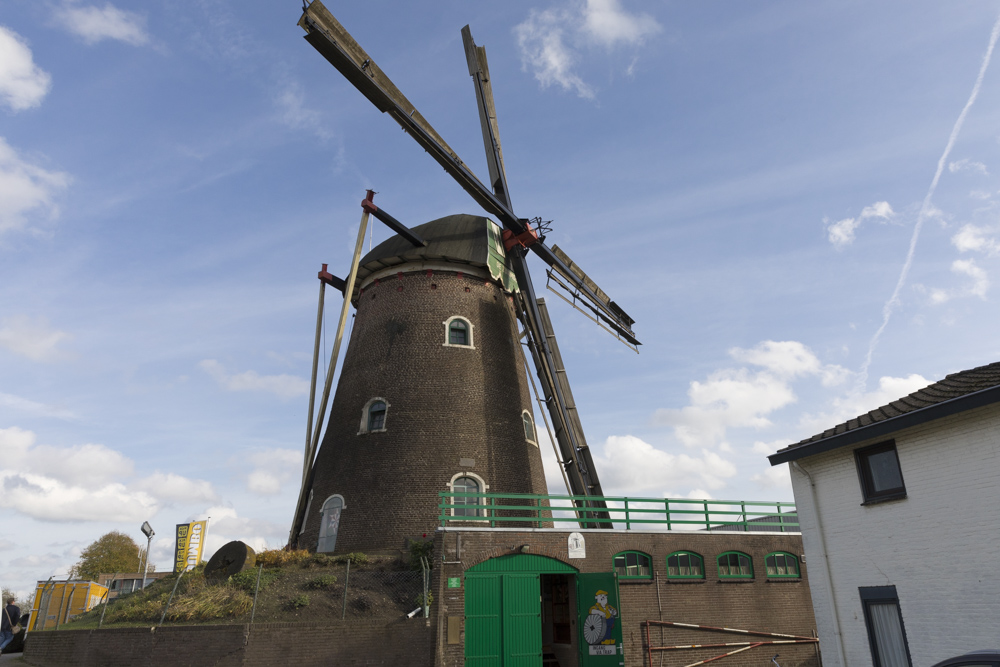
[58, 601]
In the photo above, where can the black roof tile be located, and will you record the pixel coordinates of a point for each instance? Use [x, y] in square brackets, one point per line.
[951, 387]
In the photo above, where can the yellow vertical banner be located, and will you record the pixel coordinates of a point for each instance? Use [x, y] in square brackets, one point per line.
[189, 545]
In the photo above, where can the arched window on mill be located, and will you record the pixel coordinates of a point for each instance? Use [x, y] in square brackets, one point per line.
[329, 525]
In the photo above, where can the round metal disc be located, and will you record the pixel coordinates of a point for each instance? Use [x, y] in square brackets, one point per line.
[233, 557]
[593, 628]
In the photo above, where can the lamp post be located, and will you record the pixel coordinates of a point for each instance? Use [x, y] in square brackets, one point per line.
[147, 530]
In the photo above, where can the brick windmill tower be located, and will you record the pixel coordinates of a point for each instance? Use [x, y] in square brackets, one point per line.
[433, 394]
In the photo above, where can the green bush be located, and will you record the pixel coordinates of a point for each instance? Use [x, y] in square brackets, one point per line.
[299, 601]
[322, 581]
[247, 579]
[420, 599]
[421, 548]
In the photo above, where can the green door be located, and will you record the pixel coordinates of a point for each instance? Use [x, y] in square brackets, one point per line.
[482, 620]
[522, 620]
[600, 620]
[503, 610]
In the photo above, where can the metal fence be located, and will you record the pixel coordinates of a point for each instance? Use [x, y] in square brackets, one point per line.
[556, 511]
[343, 591]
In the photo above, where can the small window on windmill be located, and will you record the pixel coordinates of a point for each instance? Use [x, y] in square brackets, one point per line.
[376, 416]
[330, 523]
[529, 427]
[466, 506]
[373, 416]
[457, 332]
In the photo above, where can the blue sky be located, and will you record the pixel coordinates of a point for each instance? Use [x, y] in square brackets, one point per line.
[745, 179]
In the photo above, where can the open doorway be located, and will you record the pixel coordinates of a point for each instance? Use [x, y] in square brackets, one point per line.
[559, 621]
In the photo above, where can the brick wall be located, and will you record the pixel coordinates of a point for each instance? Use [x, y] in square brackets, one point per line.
[445, 404]
[351, 643]
[758, 604]
[938, 546]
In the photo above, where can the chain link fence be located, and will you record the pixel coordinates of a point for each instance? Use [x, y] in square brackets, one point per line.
[295, 592]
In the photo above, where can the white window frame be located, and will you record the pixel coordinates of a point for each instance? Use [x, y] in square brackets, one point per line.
[534, 428]
[364, 416]
[481, 513]
[322, 523]
[447, 332]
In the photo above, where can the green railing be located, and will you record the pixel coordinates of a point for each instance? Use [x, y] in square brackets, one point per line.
[616, 512]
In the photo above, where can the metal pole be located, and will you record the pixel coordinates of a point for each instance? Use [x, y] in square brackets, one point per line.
[61, 599]
[145, 565]
[344, 311]
[347, 578]
[312, 383]
[256, 590]
[171, 598]
[107, 601]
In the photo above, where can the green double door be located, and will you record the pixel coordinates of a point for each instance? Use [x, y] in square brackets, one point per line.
[503, 613]
[503, 620]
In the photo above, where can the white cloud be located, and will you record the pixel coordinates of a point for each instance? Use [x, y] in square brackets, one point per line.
[6, 545]
[87, 466]
[773, 478]
[49, 499]
[966, 164]
[25, 188]
[34, 408]
[855, 404]
[550, 41]
[842, 233]
[273, 468]
[739, 397]
[23, 84]
[979, 286]
[227, 525]
[630, 465]
[972, 238]
[95, 24]
[544, 51]
[168, 486]
[31, 338]
[283, 386]
[83, 482]
[295, 114]
[608, 23]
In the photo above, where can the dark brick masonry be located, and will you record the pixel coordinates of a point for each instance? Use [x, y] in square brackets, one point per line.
[344, 643]
[445, 404]
[760, 603]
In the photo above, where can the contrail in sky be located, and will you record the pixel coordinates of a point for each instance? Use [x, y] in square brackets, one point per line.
[926, 208]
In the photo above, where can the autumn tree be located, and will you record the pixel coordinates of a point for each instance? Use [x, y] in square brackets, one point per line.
[113, 552]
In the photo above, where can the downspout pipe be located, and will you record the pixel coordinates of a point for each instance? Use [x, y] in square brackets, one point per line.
[826, 563]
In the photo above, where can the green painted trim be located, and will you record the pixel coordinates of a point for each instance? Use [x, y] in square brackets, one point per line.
[798, 569]
[700, 558]
[522, 563]
[649, 564]
[734, 576]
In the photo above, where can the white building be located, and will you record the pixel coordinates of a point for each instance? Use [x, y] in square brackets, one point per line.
[900, 515]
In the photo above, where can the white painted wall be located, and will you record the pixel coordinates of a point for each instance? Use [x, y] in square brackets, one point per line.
[940, 546]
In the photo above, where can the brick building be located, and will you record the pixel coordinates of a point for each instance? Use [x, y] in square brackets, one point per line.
[899, 518]
[432, 396]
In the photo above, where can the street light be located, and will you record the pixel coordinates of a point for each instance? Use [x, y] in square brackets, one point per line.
[147, 530]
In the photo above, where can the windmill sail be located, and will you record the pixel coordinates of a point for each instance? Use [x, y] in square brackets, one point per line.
[330, 38]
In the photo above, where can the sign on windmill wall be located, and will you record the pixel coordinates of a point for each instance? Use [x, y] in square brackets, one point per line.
[576, 546]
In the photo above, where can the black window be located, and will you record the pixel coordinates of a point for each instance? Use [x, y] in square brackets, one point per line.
[529, 427]
[735, 565]
[878, 468]
[458, 333]
[376, 416]
[782, 565]
[886, 634]
[464, 485]
[633, 565]
[685, 565]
